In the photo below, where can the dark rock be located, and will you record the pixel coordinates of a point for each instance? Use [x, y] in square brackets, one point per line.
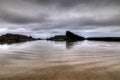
[73, 37]
[58, 38]
[15, 38]
[39, 39]
[68, 37]
[104, 38]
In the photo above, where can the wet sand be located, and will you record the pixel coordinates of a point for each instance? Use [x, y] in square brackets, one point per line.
[52, 61]
[61, 73]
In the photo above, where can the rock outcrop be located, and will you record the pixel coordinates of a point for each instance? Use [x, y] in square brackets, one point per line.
[58, 38]
[104, 39]
[15, 38]
[68, 37]
[73, 37]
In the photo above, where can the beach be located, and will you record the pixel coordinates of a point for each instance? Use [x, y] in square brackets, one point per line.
[50, 60]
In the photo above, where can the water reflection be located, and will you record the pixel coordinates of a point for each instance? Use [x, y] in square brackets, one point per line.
[69, 44]
[39, 53]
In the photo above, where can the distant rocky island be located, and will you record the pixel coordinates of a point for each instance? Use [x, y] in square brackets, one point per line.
[68, 37]
[74, 37]
[10, 38]
[115, 39]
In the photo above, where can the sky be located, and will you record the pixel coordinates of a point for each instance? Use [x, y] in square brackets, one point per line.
[43, 18]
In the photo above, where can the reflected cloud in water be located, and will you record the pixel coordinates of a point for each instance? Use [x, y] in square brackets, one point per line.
[38, 53]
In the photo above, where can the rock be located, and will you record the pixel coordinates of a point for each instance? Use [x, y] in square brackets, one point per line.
[58, 38]
[73, 37]
[15, 38]
[68, 37]
[104, 39]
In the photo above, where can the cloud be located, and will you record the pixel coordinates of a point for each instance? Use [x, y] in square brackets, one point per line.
[21, 19]
[37, 15]
[69, 3]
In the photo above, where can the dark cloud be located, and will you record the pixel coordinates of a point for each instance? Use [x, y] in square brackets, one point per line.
[74, 2]
[59, 14]
[90, 22]
[15, 18]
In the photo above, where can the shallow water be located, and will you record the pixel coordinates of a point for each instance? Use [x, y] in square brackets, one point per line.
[24, 54]
[82, 55]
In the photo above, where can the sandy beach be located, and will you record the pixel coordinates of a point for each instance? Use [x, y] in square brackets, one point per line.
[83, 61]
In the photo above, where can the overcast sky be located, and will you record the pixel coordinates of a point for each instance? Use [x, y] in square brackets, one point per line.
[36, 17]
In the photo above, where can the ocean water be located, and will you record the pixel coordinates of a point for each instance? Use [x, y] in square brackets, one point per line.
[43, 54]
